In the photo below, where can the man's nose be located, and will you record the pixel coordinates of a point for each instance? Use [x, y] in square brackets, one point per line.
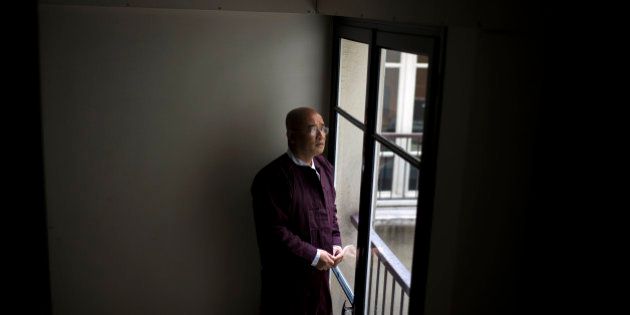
[320, 133]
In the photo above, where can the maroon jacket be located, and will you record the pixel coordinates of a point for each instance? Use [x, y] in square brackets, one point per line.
[295, 214]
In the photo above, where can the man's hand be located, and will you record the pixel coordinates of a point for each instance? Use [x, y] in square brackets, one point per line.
[337, 255]
[326, 260]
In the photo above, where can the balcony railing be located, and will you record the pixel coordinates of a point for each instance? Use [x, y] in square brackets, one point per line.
[410, 142]
[401, 279]
[384, 297]
[401, 173]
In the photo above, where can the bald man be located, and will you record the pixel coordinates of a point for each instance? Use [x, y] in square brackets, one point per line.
[296, 221]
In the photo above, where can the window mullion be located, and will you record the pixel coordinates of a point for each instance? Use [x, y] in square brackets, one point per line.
[410, 66]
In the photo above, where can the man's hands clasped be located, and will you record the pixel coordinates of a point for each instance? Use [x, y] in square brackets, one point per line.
[327, 260]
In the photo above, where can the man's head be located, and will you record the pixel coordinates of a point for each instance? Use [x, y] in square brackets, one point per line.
[306, 132]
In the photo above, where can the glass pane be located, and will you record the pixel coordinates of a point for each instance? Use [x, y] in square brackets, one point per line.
[348, 163]
[393, 224]
[386, 168]
[393, 56]
[390, 100]
[394, 214]
[402, 99]
[353, 67]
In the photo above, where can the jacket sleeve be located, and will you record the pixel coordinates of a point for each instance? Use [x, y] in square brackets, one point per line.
[336, 234]
[271, 198]
[336, 239]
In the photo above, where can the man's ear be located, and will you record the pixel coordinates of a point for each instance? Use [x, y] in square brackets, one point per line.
[290, 136]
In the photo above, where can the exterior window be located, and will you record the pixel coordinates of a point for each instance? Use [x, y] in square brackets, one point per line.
[401, 113]
[384, 169]
[353, 68]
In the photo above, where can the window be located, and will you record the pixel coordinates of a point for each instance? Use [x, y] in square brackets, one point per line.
[401, 120]
[353, 68]
[384, 141]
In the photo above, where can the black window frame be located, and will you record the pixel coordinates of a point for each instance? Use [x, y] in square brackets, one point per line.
[426, 40]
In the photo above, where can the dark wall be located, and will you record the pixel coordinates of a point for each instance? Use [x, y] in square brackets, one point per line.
[26, 250]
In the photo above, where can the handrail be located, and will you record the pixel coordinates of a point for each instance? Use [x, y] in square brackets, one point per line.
[396, 268]
[344, 284]
[402, 135]
[392, 263]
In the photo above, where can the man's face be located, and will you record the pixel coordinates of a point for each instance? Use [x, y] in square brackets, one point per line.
[311, 144]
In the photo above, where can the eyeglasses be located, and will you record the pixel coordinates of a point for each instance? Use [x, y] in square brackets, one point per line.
[312, 130]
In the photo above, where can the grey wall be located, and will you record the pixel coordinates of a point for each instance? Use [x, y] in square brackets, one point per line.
[491, 94]
[146, 185]
[490, 14]
[154, 123]
[291, 6]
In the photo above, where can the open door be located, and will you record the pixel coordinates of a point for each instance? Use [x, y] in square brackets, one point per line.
[384, 141]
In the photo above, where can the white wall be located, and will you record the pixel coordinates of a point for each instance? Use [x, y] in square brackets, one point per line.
[154, 124]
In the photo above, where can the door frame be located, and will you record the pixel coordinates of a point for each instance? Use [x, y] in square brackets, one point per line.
[413, 39]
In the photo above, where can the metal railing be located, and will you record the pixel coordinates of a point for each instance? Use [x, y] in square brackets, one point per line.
[378, 295]
[379, 299]
[344, 285]
[412, 144]
[401, 278]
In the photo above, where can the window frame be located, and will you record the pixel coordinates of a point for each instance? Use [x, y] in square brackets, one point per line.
[406, 38]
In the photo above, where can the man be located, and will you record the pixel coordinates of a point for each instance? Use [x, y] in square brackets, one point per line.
[296, 221]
